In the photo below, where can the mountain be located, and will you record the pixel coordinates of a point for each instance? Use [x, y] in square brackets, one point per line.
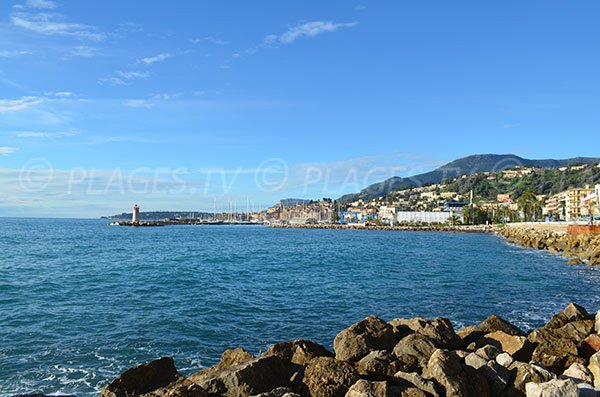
[463, 166]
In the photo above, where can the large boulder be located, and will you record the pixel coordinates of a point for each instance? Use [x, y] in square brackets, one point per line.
[298, 352]
[180, 388]
[532, 372]
[359, 339]
[429, 386]
[597, 322]
[439, 330]
[229, 358]
[255, 376]
[279, 392]
[378, 364]
[493, 323]
[416, 346]
[458, 381]
[553, 388]
[579, 373]
[328, 377]
[594, 367]
[589, 346]
[572, 312]
[143, 379]
[519, 347]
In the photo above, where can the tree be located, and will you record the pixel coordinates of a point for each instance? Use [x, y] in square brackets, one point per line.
[529, 206]
[335, 217]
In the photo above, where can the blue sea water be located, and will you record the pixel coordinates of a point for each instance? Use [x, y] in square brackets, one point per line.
[80, 301]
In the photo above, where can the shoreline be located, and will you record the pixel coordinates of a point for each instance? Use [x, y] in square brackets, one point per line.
[429, 228]
[414, 357]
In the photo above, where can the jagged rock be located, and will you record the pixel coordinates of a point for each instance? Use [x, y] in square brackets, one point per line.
[408, 363]
[532, 372]
[579, 373]
[461, 353]
[594, 367]
[447, 370]
[597, 325]
[590, 346]
[553, 388]
[143, 379]
[180, 388]
[439, 330]
[555, 351]
[475, 360]
[229, 358]
[572, 312]
[586, 390]
[279, 392]
[254, 376]
[359, 339]
[504, 359]
[417, 346]
[428, 386]
[517, 346]
[328, 377]
[298, 352]
[493, 323]
[378, 363]
[498, 377]
[488, 352]
[577, 331]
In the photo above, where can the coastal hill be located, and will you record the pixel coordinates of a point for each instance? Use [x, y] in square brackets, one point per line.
[464, 166]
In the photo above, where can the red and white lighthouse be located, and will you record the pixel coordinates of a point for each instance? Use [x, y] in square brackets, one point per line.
[135, 218]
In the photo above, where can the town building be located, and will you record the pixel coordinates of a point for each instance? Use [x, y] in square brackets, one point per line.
[424, 216]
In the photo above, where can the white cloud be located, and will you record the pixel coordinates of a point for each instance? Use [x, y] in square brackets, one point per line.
[137, 103]
[6, 150]
[44, 134]
[11, 54]
[123, 78]
[154, 59]
[308, 29]
[210, 39]
[16, 105]
[82, 51]
[43, 4]
[53, 24]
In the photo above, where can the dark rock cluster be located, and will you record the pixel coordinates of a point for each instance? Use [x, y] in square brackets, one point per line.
[401, 358]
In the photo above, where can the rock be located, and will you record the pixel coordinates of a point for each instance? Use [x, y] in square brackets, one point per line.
[279, 392]
[475, 361]
[365, 388]
[504, 359]
[447, 370]
[493, 323]
[143, 379]
[497, 376]
[597, 325]
[532, 372]
[556, 353]
[594, 367]
[577, 331]
[439, 330]
[589, 346]
[378, 364]
[359, 339]
[572, 312]
[579, 373]
[553, 388]
[408, 363]
[574, 261]
[488, 352]
[517, 346]
[180, 388]
[328, 377]
[255, 376]
[229, 358]
[428, 386]
[585, 390]
[417, 346]
[298, 352]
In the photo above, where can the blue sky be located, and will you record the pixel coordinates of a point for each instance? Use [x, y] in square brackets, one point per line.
[176, 106]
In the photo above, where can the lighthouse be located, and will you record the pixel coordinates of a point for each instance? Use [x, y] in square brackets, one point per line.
[135, 218]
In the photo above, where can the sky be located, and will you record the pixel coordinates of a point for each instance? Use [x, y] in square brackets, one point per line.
[192, 105]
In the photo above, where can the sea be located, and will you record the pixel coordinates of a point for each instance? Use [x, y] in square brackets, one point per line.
[81, 301]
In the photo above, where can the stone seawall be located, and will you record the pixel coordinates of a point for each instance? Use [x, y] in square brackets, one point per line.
[579, 247]
[399, 358]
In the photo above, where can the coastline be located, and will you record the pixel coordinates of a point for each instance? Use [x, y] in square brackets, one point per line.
[402, 357]
[430, 228]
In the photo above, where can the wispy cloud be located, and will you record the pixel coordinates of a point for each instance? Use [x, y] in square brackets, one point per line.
[123, 78]
[154, 59]
[137, 103]
[6, 150]
[12, 54]
[210, 39]
[44, 134]
[35, 16]
[308, 29]
[16, 105]
[81, 51]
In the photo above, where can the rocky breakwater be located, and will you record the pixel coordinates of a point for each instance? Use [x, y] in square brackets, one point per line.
[422, 228]
[403, 357]
[579, 248]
